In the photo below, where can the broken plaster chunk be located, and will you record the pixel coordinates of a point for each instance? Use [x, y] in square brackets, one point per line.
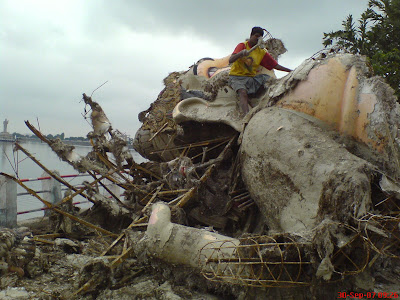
[165, 291]
[325, 269]
[73, 157]
[100, 122]
[67, 245]
[14, 293]
[389, 186]
[77, 260]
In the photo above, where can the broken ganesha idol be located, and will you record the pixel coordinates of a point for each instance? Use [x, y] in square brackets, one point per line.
[302, 190]
[314, 167]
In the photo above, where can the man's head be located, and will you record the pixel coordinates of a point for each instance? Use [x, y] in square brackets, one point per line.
[256, 33]
[258, 30]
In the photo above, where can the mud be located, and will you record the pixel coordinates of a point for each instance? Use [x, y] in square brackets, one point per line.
[298, 176]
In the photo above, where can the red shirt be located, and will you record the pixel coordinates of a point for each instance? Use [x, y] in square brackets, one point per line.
[267, 62]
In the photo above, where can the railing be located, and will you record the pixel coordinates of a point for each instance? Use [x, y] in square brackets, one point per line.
[9, 198]
[49, 177]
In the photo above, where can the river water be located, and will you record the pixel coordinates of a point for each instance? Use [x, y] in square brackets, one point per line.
[19, 165]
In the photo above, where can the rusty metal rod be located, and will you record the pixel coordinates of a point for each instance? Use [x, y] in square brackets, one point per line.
[50, 206]
[279, 282]
[254, 261]
[185, 199]
[152, 198]
[209, 149]
[199, 144]
[55, 176]
[110, 192]
[78, 191]
[205, 176]
[158, 131]
[241, 197]
[116, 241]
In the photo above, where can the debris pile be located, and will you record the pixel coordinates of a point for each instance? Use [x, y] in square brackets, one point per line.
[301, 197]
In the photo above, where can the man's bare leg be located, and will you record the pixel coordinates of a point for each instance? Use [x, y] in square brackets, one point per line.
[243, 101]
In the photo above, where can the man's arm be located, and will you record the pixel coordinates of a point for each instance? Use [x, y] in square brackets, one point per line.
[236, 56]
[270, 63]
[282, 68]
[239, 52]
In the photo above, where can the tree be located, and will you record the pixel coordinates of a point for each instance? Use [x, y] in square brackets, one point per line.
[60, 136]
[377, 36]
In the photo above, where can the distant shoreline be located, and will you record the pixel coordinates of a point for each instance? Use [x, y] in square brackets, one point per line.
[36, 140]
[70, 142]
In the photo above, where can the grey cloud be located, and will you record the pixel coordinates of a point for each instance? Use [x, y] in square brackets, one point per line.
[298, 23]
[46, 66]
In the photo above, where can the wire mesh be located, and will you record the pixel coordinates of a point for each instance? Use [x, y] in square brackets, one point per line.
[383, 234]
[351, 255]
[261, 261]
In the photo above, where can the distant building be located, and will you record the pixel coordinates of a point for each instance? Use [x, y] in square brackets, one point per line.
[5, 136]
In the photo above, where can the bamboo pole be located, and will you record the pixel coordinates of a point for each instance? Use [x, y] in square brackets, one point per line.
[112, 166]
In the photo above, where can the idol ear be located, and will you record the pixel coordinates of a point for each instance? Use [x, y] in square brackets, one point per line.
[222, 110]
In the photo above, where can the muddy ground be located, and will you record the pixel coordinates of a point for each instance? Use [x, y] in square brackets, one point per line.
[59, 270]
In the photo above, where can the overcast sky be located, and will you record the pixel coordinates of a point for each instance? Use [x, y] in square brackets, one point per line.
[53, 51]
